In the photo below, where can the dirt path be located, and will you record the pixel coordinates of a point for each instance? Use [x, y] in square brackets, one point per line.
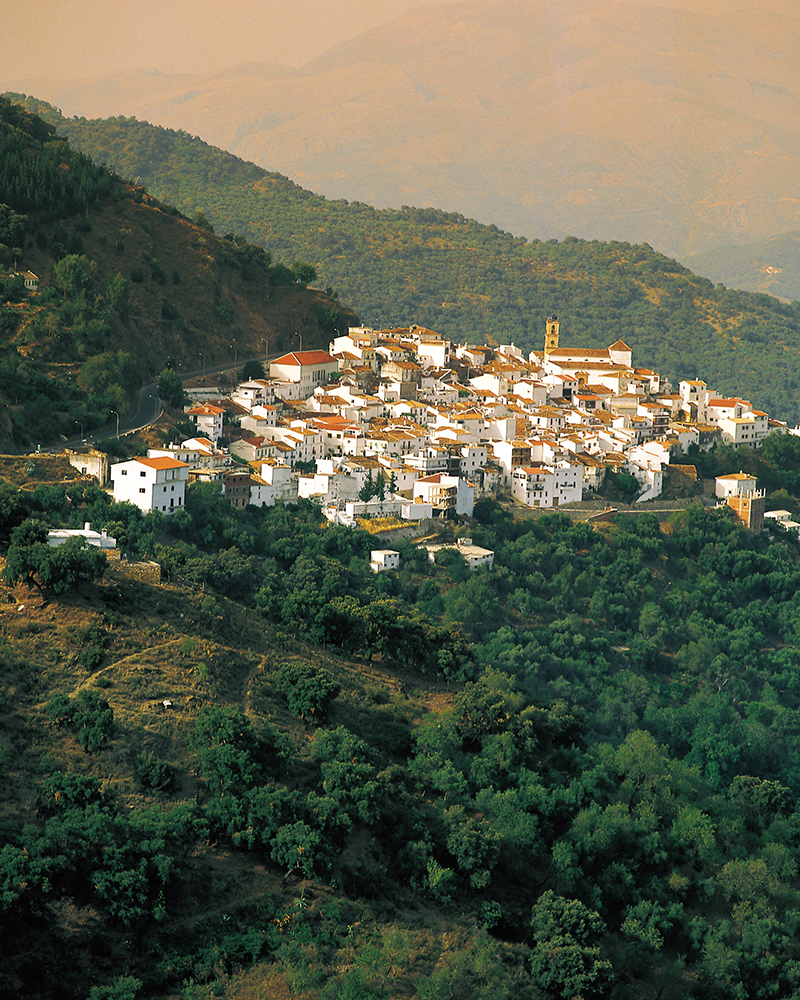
[119, 663]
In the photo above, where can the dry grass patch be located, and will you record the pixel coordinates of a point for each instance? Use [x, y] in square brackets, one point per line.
[375, 525]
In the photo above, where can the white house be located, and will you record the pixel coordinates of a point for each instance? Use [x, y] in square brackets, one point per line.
[253, 449]
[741, 493]
[392, 506]
[784, 519]
[433, 353]
[471, 458]
[258, 392]
[749, 429]
[383, 559]
[31, 280]
[307, 369]
[331, 486]
[357, 346]
[548, 485]
[695, 395]
[151, 483]
[197, 453]
[446, 494]
[271, 483]
[208, 420]
[735, 484]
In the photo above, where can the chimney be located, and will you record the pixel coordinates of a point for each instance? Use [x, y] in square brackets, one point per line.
[87, 526]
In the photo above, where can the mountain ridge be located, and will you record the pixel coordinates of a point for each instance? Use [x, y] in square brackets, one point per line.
[638, 122]
[468, 281]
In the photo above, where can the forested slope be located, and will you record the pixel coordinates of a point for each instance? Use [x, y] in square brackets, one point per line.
[127, 285]
[763, 266]
[466, 280]
[573, 775]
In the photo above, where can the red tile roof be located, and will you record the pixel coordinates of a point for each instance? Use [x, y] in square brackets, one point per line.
[162, 463]
[205, 410]
[300, 358]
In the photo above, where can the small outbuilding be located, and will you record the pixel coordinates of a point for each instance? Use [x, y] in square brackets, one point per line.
[97, 539]
[383, 559]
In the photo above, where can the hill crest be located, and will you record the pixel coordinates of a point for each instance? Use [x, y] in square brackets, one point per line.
[647, 122]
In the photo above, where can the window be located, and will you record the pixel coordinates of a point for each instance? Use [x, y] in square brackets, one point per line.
[142, 473]
[142, 489]
[124, 472]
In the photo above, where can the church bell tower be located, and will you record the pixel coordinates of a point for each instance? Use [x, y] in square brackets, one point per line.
[551, 334]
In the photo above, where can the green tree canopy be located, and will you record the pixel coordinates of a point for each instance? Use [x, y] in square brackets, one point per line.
[170, 388]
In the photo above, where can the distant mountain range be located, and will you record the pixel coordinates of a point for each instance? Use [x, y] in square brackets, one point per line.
[670, 123]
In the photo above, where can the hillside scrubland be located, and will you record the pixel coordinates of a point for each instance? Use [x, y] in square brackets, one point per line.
[575, 774]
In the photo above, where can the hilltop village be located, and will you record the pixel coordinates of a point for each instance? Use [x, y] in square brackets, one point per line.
[403, 423]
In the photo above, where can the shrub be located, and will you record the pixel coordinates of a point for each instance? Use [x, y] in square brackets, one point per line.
[152, 773]
[89, 715]
[309, 690]
[90, 657]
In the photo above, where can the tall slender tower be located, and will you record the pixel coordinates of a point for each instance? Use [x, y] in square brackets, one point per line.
[551, 334]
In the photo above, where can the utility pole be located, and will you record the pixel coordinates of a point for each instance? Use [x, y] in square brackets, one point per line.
[117, 416]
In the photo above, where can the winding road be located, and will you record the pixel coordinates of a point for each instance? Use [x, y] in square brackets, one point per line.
[150, 408]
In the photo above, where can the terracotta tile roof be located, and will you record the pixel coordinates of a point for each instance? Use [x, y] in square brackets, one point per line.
[162, 463]
[205, 410]
[300, 358]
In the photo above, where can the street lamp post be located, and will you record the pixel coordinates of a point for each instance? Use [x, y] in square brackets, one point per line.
[300, 335]
[235, 355]
[203, 359]
[81, 427]
[117, 416]
[266, 347]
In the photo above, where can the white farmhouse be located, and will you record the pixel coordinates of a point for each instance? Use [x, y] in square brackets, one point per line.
[151, 483]
[381, 560]
[784, 519]
[475, 555]
[97, 539]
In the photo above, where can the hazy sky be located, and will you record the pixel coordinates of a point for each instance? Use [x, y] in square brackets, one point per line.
[41, 38]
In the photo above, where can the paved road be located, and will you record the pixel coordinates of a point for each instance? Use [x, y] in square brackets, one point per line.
[150, 408]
